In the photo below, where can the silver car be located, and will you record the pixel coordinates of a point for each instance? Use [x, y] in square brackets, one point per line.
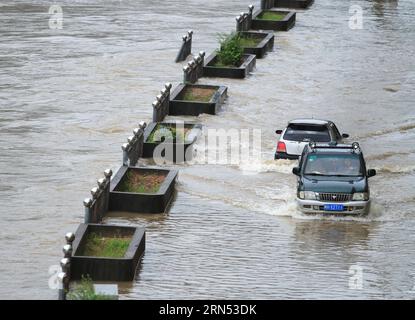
[300, 132]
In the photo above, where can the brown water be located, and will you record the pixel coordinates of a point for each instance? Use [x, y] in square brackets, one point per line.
[70, 97]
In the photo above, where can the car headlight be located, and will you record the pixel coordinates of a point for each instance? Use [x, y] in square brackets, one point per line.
[360, 196]
[310, 195]
[301, 194]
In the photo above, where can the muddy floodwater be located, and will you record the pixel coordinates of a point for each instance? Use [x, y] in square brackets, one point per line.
[70, 97]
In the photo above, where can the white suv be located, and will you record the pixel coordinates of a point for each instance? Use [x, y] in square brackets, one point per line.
[300, 132]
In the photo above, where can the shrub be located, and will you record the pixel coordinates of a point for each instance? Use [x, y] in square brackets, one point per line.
[85, 291]
[231, 51]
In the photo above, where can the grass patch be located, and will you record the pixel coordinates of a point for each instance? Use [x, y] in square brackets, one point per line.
[220, 64]
[198, 94]
[85, 291]
[109, 247]
[169, 132]
[271, 15]
[249, 42]
[230, 53]
[142, 182]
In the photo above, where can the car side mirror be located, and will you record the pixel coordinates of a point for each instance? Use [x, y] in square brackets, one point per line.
[345, 135]
[278, 131]
[296, 171]
[371, 173]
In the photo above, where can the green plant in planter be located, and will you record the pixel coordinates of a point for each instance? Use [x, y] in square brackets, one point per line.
[142, 182]
[249, 42]
[85, 291]
[271, 15]
[231, 51]
[198, 94]
[99, 246]
[165, 131]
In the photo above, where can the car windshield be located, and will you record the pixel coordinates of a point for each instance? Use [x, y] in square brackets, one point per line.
[303, 132]
[348, 165]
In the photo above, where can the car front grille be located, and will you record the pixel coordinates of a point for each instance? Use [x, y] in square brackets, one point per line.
[335, 197]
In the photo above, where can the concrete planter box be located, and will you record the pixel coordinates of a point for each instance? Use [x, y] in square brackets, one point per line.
[295, 4]
[284, 24]
[106, 268]
[141, 202]
[247, 65]
[182, 149]
[179, 106]
[266, 43]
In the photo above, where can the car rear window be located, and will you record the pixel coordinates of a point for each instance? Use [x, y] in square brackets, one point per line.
[333, 165]
[301, 132]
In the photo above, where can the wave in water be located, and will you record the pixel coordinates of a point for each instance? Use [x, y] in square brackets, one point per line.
[401, 128]
[260, 166]
[395, 169]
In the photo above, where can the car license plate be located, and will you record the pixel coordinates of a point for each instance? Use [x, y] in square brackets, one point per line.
[333, 207]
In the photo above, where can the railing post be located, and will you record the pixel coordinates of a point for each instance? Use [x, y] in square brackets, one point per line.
[87, 205]
[192, 64]
[70, 238]
[249, 18]
[186, 70]
[238, 23]
[125, 148]
[155, 105]
[62, 279]
[200, 63]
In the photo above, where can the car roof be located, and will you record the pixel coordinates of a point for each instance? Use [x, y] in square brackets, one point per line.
[333, 150]
[337, 148]
[309, 121]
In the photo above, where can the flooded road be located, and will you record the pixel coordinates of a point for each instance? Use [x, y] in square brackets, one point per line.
[70, 97]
